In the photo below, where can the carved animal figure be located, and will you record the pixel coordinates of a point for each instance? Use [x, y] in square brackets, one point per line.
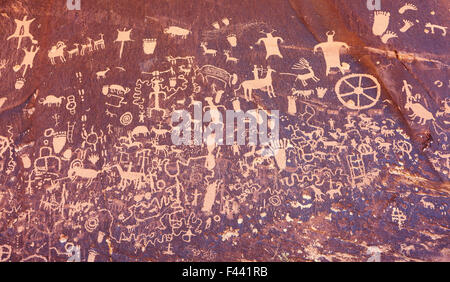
[426, 204]
[99, 43]
[86, 173]
[74, 51]
[185, 70]
[435, 26]
[129, 142]
[418, 110]
[209, 71]
[102, 74]
[303, 93]
[382, 145]
[159, 132]
[141, 129]
[445, 110]
[207, 51]
[262, 83]
[116, 89]
[57, 51]
[87, 46]
[229, 58]
[51, 100]
[160, 148]
[173, 60]
[128, 177]
[301, 65]
[317, 193]
[333, 192]
[177, 31]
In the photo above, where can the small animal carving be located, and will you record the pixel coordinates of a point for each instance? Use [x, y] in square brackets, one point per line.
[87, 46]
[51, 100]
[141, 129]
[229, 58]
[57, 51]
[99, 43]
[128, 141]
[160, 148]
[177, 31]
[74, 51]
[185, 70]
[209, 71]
[434, 26]
[207, 51]
[302, 93]
[418, 110]
[89, 174]
[301, 65]
[102, 74]
[427, 205]
[116, 89]
[333, 192]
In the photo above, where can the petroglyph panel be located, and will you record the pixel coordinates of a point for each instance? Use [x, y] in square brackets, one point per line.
[256, 130]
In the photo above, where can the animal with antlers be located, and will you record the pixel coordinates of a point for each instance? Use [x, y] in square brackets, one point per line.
[302, 65]
[207, 51]
[227, 54]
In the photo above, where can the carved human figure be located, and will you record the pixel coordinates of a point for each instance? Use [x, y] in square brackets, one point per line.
[331, 51]
[27, 59]
[271, 44]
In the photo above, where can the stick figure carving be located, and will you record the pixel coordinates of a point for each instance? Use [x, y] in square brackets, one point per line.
[27, 59]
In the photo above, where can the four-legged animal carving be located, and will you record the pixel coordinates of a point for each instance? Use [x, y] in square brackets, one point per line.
[207, 51]
[418, 110]
[99, 43]
[262, 83]
[74, 51]
[57, 52]
[102, 74]
[229, 58]
[87, 46]
[435, 26]
[301, 65]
